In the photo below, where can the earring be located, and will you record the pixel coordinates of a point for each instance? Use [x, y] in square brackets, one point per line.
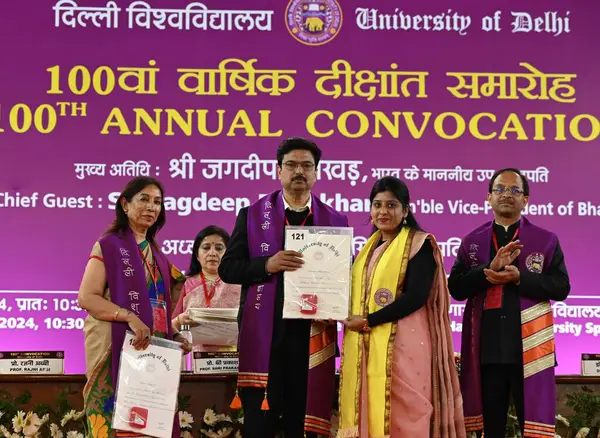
[126, 211]
[404, 221]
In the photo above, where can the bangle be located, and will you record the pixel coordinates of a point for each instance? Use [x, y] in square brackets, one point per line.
[365, 325]
[116, 314]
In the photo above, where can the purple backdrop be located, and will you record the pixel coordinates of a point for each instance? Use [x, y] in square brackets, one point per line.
[554, 136]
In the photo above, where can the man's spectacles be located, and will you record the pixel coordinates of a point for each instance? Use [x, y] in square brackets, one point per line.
[515, 191]
[292, 165]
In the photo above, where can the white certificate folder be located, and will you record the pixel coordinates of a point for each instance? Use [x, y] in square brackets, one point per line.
[147, 387]
[321, 288]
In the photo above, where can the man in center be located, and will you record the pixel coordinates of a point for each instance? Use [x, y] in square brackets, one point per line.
[287, 367]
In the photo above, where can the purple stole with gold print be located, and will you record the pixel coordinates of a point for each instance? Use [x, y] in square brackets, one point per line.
[266, 222]
[126, 280]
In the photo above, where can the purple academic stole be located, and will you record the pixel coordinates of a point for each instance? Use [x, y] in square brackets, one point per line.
[266, 222]
[538, 340]
[126, 280]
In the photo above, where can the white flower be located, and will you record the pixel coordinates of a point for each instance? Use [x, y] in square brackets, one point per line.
[4, 431]
[219, 434]
[1, 414]
[223, 417]
[185, 419]
[78, 415]
[583, 432]
[74, 434]
[224, 432]
[563, 420]
[45, 419]
[238, 434]
[68, 417]
[186, 434]
[18, 421]
[210, 417]
[31, 425]
[240, 420]
[55, 432]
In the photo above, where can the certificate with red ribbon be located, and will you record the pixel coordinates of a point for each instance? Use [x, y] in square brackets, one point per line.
[147, 387]
[320, 289]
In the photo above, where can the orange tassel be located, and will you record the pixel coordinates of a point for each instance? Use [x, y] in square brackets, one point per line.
[236, 403]
[265, 403]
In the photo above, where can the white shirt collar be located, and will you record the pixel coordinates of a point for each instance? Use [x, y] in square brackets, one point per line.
[287, 206]
[506, 227]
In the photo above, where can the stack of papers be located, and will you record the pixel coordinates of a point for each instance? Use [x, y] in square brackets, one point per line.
[198, 314]
[214, 326]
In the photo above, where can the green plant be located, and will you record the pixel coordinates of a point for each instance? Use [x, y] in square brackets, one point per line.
[9, 405]
[221, 425]
[43, 418]
[51, 419]
[183, 402]
[586, 405]
[513, 428]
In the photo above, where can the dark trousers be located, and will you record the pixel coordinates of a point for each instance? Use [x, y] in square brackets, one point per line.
[498, 383]
[286, 388]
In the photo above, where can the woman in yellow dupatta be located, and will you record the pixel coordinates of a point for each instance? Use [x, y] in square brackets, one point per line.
[398, 377]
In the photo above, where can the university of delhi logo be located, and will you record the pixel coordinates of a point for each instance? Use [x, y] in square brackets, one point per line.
[535, 262]
[313, 22]
[383, 297]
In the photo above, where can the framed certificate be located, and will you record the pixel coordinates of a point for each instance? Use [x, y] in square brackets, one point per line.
[147, 388]
[321, 288]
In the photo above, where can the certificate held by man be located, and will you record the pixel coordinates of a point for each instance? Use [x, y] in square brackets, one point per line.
[320, 289]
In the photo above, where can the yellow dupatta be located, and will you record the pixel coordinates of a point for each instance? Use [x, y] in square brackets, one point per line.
[368, 296]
